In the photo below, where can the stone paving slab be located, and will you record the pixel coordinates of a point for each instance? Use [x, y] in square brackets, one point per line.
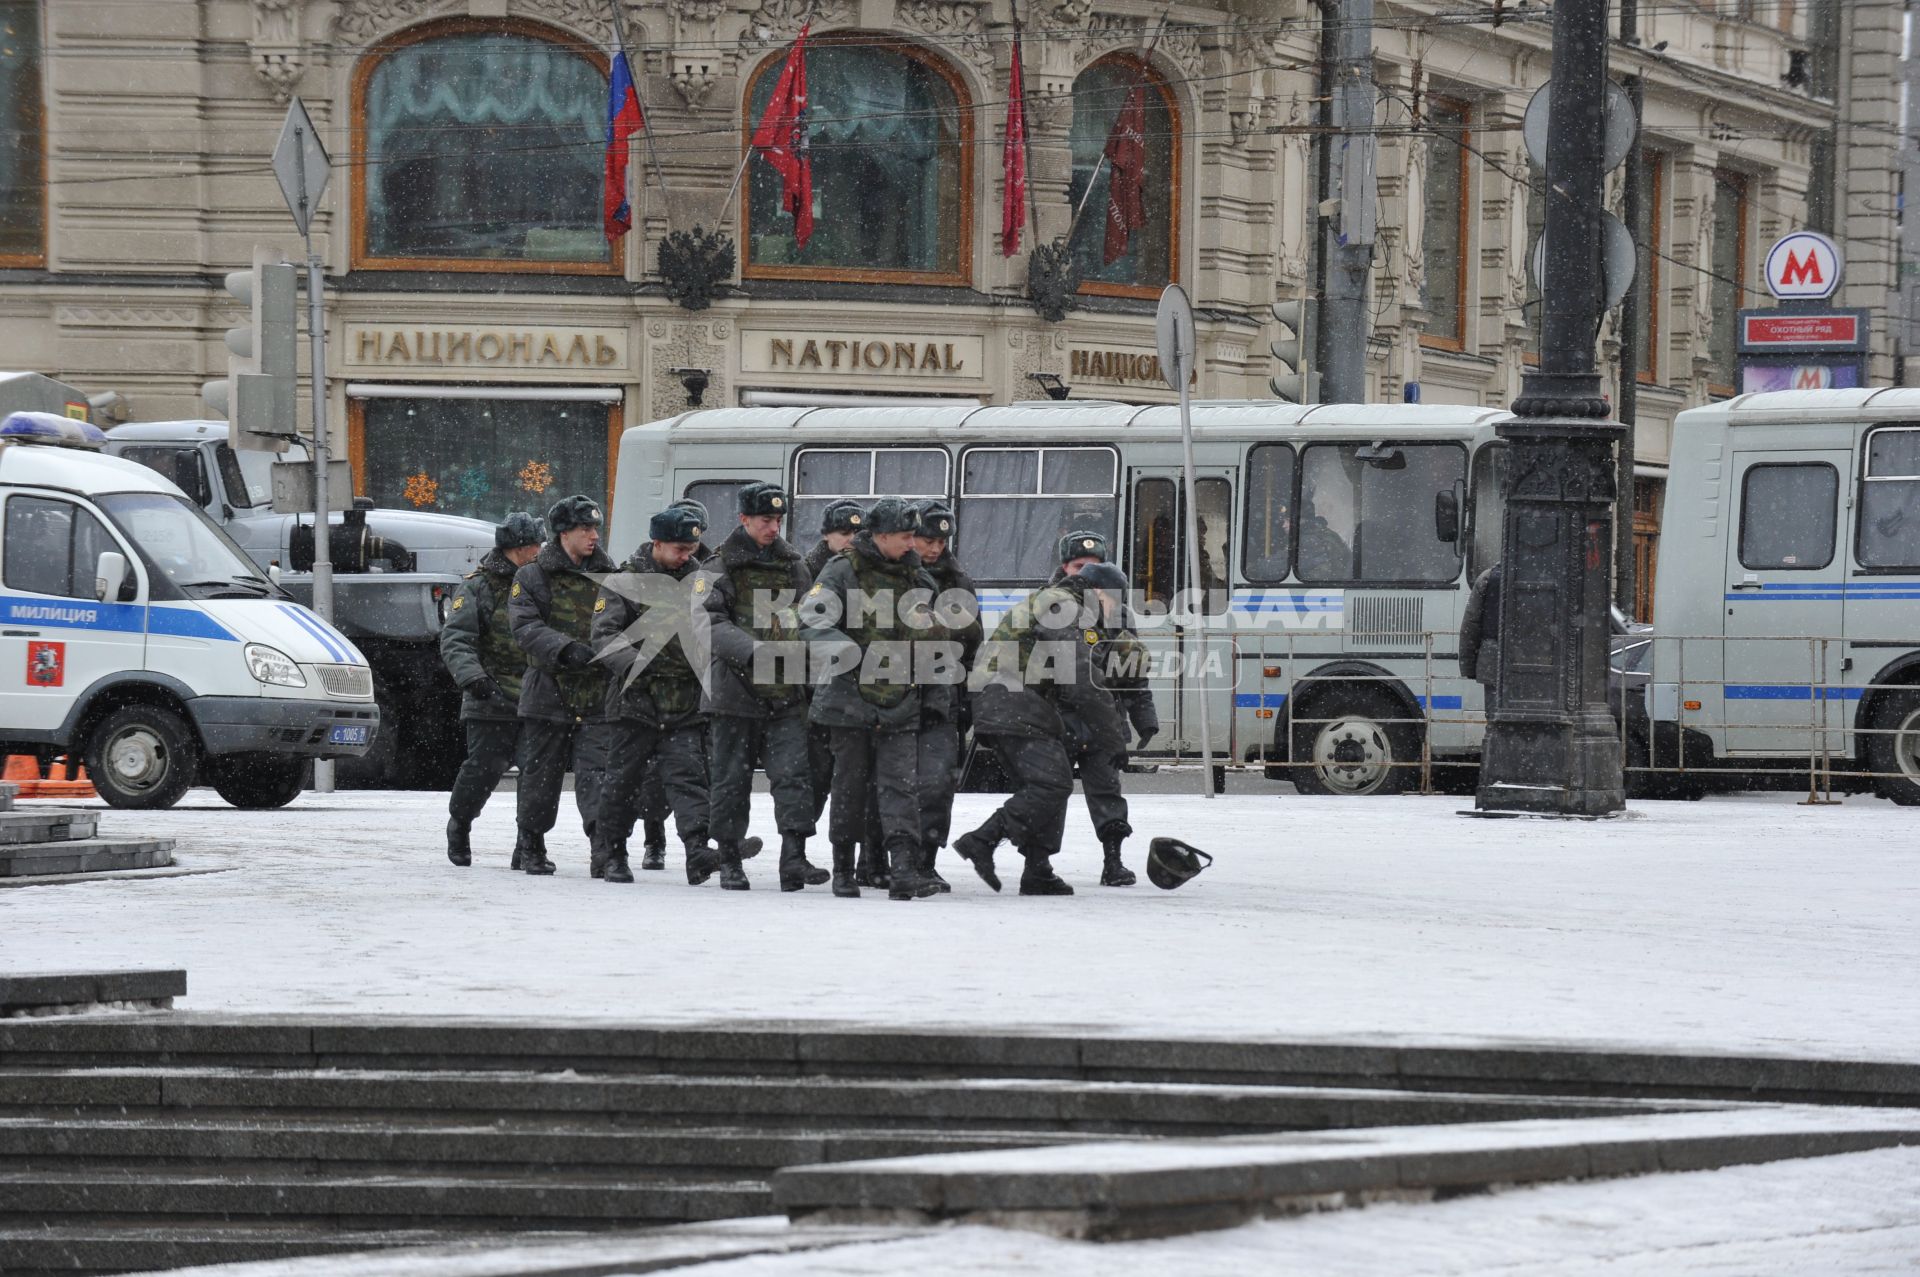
[85, 855]
[173, 870]
[1166, 1187]
[26, 993]
[46, 825]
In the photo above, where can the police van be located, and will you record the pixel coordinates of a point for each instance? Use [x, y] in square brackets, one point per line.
[1787, 604]
[136, 635]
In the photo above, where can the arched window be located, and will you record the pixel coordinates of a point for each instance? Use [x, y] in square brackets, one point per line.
[891, 132]
[23, 191]
[1099, 96]
[481, 146]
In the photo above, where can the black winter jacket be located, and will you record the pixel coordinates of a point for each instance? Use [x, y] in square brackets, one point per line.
[725, 587]
[666, 691]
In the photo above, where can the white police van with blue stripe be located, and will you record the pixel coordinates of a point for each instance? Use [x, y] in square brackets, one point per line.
[1787, 605]
[135, 634]
[1338, 544]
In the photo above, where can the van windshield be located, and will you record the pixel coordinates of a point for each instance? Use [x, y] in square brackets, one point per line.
[186, 553]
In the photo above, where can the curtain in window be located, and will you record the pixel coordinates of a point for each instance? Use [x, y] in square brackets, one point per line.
[485, 147]
[1729, 213]
[21, 206]
[483, 458]
[1445, 299]
[1098, 94]
[885, 132]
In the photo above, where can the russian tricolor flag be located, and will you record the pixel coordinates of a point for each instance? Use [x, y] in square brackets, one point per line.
[624, 119]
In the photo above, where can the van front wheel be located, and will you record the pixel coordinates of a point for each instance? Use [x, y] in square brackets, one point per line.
[258, 782]
[142, 756]
[1893, 748]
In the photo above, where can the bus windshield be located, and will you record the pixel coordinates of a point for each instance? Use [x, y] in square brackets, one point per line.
[1368, 512]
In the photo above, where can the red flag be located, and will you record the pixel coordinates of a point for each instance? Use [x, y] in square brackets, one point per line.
[1013, 195]
[624, 119]
[1127, 155]
[781, 140]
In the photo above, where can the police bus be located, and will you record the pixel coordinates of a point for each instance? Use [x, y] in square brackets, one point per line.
[1338, 543]
[1787, 605]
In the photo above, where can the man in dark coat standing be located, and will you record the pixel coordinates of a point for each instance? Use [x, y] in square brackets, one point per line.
[477, 645]
[870, 618]
[654, 804]
[563, 699]
[1480, 633]
[1034, 692]
[957, 607]
[838, 522]
[642, 622]
[756, 695]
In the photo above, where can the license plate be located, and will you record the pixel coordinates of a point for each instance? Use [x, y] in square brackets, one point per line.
[347, 736]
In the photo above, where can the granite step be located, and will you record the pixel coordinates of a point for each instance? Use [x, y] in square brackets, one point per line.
[810, 1103]
[84, 855]
[453, 1202]
[69, 1249]
[242, 1144]
[39, 992]
[46, 824]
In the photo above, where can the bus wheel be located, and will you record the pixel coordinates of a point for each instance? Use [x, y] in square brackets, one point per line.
[1355, 748]
[1893, 750]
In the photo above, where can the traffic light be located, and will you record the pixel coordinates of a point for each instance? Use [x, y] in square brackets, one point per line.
[1294, 383]
[258, 394]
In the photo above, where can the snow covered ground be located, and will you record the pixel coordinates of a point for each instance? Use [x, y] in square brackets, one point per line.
[1855, 1214]
[1744, 923]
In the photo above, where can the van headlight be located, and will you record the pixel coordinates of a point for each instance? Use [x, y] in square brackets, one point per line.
[271, 665]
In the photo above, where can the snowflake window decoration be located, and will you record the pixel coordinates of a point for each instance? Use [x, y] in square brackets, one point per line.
[421, 490]
[536, 476]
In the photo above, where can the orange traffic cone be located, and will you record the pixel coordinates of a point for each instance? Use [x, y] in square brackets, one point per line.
[21, 769]
[69, 781]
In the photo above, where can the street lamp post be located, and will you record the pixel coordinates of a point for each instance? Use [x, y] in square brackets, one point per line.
[1551, 746]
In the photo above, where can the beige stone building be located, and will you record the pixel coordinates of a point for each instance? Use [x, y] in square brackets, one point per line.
[486, 344]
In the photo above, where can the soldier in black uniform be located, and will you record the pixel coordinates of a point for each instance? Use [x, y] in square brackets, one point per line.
[957, 606]
[654, 704]
[563, 700]
[654, 805]
[1119, 666]
[1034, 693]
[838, 522]
[749, 589]
[860, 615]
[477, 645]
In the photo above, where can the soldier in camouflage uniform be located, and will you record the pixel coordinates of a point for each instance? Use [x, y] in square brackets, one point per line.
[1036, 697]
[749, 589]
[883, 700]
[477, 645]
[563, 700]
[838, 522]
[1120, 666]
[957, 604]
[654, 804]
[654, 703]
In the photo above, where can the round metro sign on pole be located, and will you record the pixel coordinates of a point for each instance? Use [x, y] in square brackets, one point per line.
[1804, 266]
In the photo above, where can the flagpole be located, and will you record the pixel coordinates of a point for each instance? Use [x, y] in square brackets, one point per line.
[1100, 163]
[646, 131]
[1026, 123]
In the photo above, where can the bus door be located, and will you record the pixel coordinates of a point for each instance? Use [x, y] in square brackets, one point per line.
[1883, 593]
[1786, 584]
[1157, 570]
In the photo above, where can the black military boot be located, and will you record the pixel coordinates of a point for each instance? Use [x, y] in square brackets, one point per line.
[977, 847]
[931, 875]
[1039, 878]
[530, 854]
[459, 849]
[844, 883]
[863, 869]
[617, 869]
[796, 871]
[653, 854]
[904, 880]
[703, 861]
[732, 876]
[598, 853]
[1112, 872]
[750, 847]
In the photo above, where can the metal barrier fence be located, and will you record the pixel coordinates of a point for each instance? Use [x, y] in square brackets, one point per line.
[1791, 671]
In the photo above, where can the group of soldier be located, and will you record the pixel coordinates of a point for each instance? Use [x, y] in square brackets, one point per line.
[569, 661]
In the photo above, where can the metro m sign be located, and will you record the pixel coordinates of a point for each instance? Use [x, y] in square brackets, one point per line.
[1804, 266]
